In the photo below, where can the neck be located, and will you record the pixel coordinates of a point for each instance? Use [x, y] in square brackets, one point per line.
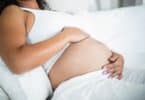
[29, 4]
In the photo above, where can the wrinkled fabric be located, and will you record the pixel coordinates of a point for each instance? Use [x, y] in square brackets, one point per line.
[96, 86]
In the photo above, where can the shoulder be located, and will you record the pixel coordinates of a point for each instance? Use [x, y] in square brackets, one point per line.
[12, 15]
[12, 9]
[12, 12]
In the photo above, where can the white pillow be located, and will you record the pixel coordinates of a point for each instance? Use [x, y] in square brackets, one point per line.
[9, 85]
[143, 1]
[72, 6]
[3, 95]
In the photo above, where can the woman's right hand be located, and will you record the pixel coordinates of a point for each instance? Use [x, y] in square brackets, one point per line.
[74, 34]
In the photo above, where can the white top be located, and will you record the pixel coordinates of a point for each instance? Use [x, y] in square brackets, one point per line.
[43, 28]
[48, 23]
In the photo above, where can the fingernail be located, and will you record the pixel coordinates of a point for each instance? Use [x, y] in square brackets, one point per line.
[104, 72]
[110, 77]
[105, 69]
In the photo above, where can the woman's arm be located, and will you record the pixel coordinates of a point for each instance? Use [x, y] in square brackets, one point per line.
[17, 53]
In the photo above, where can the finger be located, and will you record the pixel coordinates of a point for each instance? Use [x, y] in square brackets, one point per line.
[113, 75]
[111, 69]
[120, 77]
[111, 60]
[115, 70]
[113, 57]
[110, 66]
[108, 69]
[115, 64]
[104, 66]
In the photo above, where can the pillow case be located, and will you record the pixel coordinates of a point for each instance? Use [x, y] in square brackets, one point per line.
[3, 95]
[9, 85]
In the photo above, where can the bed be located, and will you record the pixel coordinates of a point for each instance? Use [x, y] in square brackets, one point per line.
[121, 29]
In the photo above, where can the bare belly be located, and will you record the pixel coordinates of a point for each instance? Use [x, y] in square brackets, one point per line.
[79, 58]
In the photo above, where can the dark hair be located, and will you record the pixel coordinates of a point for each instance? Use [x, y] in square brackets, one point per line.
[4, 3]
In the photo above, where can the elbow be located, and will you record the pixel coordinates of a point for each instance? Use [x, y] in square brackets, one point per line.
[16, 65]
[16, 68]
[15, 61]
[16, 71]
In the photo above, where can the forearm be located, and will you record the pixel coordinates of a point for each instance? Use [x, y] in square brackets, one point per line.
[30, 56]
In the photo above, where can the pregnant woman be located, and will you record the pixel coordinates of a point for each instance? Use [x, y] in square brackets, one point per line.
[19, 27]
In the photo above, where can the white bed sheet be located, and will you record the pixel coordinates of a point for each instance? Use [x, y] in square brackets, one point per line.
[96, 86]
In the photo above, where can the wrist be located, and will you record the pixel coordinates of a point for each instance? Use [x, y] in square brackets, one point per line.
[65, 37]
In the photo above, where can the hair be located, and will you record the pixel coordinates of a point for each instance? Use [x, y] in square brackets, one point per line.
[4, 3]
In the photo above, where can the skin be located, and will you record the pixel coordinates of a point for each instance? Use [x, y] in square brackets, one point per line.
[17, 52]
[116, 61]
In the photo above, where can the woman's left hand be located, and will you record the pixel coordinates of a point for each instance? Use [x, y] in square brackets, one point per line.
[115, 66]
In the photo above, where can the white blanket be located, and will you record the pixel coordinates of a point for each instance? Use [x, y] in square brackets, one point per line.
[95, 86]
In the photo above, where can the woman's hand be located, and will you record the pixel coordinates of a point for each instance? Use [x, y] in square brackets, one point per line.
[115, 67]
[74, 34]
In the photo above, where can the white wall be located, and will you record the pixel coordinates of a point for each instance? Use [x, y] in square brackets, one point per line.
[139, 2]
[108, 4]
[73, 5]
[128, 2]
[132, 2]
[143, 1]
